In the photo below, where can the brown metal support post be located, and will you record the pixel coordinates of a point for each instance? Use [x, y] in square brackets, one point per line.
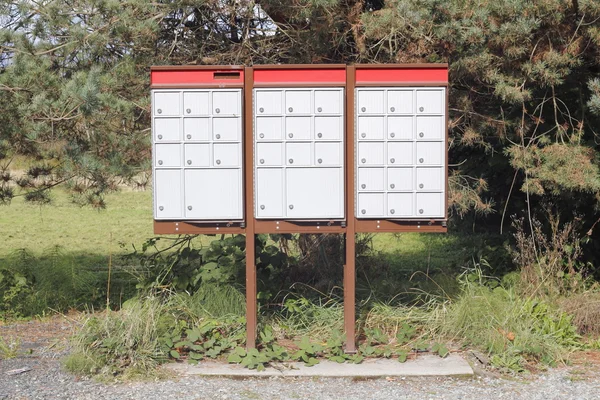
[251, 306]
[350, 265]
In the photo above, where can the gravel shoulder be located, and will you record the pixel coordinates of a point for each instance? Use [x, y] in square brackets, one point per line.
[45, 343]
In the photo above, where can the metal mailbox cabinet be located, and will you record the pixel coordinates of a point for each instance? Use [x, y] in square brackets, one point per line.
[197, 144]
[400, 142]
[298, 146]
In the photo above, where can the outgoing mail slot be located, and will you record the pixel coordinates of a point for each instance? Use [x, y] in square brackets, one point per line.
[197, 155]
[167, 129]
[297, 102]
[196, 129]
[328, 154]
[297, 128]
[195, 103]
[269, 154]
[226, 102]
[298, 154]
[400, 128]
[370, 179]
[167, 155]
[213, 194]
[430, 179]
[370, 128]
[430, 153]
[400, 153]
[430, 101]
[167, 104]
[430, 205]
[370, 205]
[400, 179]
[226, 129]
[269, 193]
[400, 205]
[370, 153]
[370, 101]
[430, 128]
[167, 192]
[269, 128]
[268, 102]
[400, 102]
[328, 102]
[227, 155]
[328, 128]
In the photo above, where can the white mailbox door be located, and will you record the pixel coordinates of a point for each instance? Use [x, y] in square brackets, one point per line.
[168, 203]
[328, 128]
[315, 193]
[167, 103]
[269, 128]
[269, 192]
[196, 103]
[328, 102]
[196, 129]
[167, 155]
[213, 194]
[268, 102]
[226, 102]
[400, 144]
[167, 130]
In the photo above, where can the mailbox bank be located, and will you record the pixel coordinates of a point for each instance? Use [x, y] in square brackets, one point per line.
[300, 149]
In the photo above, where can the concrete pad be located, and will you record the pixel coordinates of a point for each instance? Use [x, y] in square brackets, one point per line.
[424, 365]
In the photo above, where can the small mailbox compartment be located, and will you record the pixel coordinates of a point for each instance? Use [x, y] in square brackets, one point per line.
[430, 179]
[370, 153]
[370, 205]
[328, 154]
[430, 128]
[269, 193]
[195, 103]
[400, 102]
[196, 129]
[167, 129]
[430, 205]
[226, 103]
[400, 153]
[167, 155]
[227, 155]
[400, 205]
[197, 155]
[297, 128]
[400, 179]
[269, 128]
[298, 154]
[167, 193]
[400, 128]
[370, 101]
[269, 154]
[268, 102]
[430, 101]
[328, 128]
[430, 153]
[314, 192]
[226, 129]
[371, 179]
[213, 194]
[167, 104]
[328, 102]
[297, 102]
[370, 128]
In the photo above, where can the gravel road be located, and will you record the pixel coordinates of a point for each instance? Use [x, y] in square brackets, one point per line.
[46, 380]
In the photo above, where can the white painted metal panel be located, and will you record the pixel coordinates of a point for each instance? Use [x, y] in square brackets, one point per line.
[430, 153]
[213, 194]
[269, 154]
[370, 101]
[167, 155]
[400, 102]
[167, 129]
[227, 129]
[227, 155]
[298, 154]
[226, 102]
[400, 128]
[269, 193]
[195, 103]
[298, 128]
[268, 102]
[315, 192]
[167, 103]
[371, 179]
[269, 128]
[371, 128]
[197, 155]
[167, 194]
[400, 153]
[430, 101]
[400, 205]
[328, 102]
[430, 128]
[370, 153]
[430, 178]
[430, 205]
[196, 129]
[370, 205]
[400, 179]
[329, 154]
[328, 128]
[297, 102]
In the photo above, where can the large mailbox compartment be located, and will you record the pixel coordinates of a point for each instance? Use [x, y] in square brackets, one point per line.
[400, 160]
[299, 153]
[197, 154]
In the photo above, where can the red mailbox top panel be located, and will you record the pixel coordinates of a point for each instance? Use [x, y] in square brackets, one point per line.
[193, 75]
[329, 74]
[402, 73]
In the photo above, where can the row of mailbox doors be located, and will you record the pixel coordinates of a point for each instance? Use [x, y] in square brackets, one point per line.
[299, 163]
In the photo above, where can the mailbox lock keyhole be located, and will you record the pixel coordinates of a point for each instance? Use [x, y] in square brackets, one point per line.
[218, 136]
[421, 134]
[217, 110]
[364, 160]
[320, 160]
[363, 109]
[392, 160]
[363, 211]
[421, 186]
[319, 109]
[290, 109]
[160, 136]
[262, 135]
[218, 162]
[291, 135]
[161, 208]
[363, 135]
[392, 109]
[421, 109]
[160, 162]
[189, 162]
[392, 211]
[190, 208]
[363, 186]
[159, 111]
[262, 206]
[392, 135]
[262, 161]
[291, 160]
[189, 136]
[261, 109]
[188, 110]
[421, 160]
[291, 206]
[392, 186]
[421, 211]
[319, 135]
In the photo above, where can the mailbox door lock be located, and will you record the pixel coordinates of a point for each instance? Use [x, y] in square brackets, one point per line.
[189, 136]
